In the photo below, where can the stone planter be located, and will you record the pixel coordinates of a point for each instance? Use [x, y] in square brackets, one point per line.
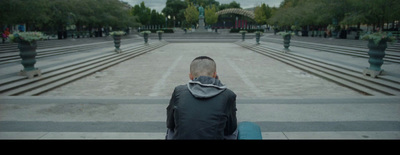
[159, 35]
[146, 37]
[243, 36]
[117, 43]
[376, 53]
[28, 56]
[286, 41]
[258, 35]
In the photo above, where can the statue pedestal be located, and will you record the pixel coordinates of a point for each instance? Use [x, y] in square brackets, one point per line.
[201, 25]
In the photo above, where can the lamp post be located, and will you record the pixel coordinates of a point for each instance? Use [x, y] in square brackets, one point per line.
[236, 24]
[174, 21]
[169, 17]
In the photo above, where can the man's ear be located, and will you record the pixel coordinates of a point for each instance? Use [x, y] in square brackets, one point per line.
[214, 75]
[191, 76]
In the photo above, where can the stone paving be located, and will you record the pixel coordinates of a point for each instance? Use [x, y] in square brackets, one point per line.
[128, 101]
[247, 73]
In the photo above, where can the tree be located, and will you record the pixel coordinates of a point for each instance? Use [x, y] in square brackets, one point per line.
[262, 13]
[344, 12]
[203, 2]
[156, 18]
[175, 8]
[146, 16]
[233, 4]
[210, 16]
[191, 14]
[33, 13]
[375, 12]
[309, 12]
[142, 12]
[50, 15]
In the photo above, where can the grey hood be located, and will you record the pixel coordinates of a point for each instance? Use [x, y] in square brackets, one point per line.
[205, 87]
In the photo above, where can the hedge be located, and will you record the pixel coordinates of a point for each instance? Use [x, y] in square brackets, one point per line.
[155, 31]
[248, 30]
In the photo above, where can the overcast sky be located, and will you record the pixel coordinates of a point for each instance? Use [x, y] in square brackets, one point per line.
[160, 4]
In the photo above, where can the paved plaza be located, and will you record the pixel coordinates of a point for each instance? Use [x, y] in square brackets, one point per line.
[248, 74]
[128, 100]
[91, 70]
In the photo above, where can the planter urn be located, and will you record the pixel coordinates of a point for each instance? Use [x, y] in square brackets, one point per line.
[28, 59]
[258, 38]
[376, 54]
[243, 36]
[286, 41]
[117, 43]
[159, 35]
[146, 37]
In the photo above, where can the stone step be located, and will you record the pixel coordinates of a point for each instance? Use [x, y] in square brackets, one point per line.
[394, 86]
[62, 75]
[340, 135]
[56, 70]
[47, 44]
[339, 75]
[24, 117]
[390, 56]
[338, 42]
[14, 56]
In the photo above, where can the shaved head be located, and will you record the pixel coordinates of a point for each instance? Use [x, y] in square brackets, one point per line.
[203, 66]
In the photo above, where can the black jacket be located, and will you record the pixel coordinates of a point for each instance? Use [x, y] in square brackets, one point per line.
[202, 109]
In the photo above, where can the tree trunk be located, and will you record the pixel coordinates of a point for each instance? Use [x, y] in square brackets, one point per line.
[393, 25]
[90, 30]
[60, 31]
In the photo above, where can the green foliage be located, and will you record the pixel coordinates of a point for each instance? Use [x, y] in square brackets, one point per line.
[142, 12]
[163, 31]
[210, 16]
[117, 33]
[295, 28]
[145, 32]
[283, 34]
[19, 11]
[27, 36]
[248, 30]
[372, 12]
[262, 13]
[304, 12]
[333, 27]
[175, 8]
[57, 14]
[379, 36]
[168, 30]
[349, 12]
[233, 4]
[191, 14]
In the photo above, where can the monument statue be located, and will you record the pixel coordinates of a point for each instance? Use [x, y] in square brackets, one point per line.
[201, 19]
[201, 11]
[201, 27]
